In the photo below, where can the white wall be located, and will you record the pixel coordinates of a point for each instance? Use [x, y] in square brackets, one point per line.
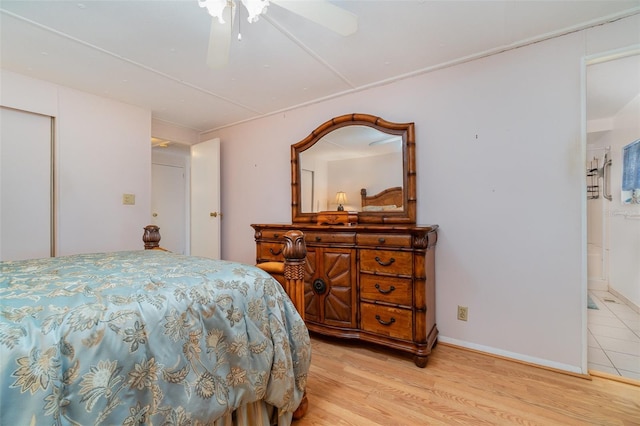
[102, 151]
[500, 165]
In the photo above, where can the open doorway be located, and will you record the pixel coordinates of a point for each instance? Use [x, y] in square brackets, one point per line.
[613, 228]
[170, 164]
[185, 196]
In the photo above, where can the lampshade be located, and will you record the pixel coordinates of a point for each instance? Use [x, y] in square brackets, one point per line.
[341, 198]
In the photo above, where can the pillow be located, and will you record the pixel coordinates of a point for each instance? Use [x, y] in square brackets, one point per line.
[392, 207]
[385, 208]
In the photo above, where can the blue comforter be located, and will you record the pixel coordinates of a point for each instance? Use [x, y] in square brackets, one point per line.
[145, 337]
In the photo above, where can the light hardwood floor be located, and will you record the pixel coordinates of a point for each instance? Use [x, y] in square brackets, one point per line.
[355, 384]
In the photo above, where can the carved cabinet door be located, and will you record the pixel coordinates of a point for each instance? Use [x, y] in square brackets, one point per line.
[330, 286]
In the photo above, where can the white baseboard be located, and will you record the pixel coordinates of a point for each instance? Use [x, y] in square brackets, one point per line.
[627, 302]
[512, 355]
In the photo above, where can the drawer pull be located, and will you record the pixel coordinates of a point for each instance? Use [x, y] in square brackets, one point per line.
[381, 240]
[276, 235]
[319, 286]
[381, 263]
[318, 239]
[274, 252]
[391, 321]
[384, 291]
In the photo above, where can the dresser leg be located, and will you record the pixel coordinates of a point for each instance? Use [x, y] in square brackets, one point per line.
[420, 361]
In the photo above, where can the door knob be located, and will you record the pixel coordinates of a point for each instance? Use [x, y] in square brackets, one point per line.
[155, 215]
[213, 214]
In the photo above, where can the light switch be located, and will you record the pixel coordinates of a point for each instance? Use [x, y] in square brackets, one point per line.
[128, 199]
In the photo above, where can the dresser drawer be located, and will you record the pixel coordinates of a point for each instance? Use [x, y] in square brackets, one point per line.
[330, 237]
[387, 321]
[271, 252]
[386, 289]
[384, 240]
[386, 261]
[273, 234]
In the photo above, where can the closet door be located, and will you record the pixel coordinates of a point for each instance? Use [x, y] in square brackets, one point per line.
[25, 185]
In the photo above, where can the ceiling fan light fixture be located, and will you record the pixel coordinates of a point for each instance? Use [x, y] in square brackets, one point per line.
[216, 8]
[255, 8]
[321, 12]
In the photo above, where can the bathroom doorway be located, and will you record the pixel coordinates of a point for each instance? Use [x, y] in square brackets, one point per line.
[613, 228]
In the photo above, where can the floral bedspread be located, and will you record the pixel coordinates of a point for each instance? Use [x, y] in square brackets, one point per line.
[144, 337]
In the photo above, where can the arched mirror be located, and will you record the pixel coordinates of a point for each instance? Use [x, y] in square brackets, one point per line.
[357, 163]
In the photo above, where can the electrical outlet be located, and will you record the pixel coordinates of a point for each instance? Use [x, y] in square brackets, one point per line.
[463, 313]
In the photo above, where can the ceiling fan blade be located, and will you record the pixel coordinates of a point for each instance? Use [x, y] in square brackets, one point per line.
[219, 43]
[323, 13]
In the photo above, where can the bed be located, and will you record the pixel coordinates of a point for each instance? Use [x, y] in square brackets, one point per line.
[150, 337]
[390, 199]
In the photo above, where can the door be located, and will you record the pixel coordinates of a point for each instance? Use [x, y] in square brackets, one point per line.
[168, 202]
[26, 185]
[307, 187]
[330, 286]
[205, 199]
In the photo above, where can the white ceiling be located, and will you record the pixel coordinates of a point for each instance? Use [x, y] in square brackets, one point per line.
[153, 53]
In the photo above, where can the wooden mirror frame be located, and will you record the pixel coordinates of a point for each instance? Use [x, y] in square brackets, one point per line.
[405, 130]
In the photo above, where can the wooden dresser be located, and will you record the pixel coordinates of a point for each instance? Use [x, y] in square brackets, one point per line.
[372, 282]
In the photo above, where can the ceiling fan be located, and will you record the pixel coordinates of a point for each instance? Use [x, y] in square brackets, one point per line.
[321, 12]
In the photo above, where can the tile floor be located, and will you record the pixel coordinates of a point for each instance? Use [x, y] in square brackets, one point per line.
[614, 336]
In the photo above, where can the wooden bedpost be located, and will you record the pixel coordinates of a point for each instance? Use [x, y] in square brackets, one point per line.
[295, 256]
[151, 237]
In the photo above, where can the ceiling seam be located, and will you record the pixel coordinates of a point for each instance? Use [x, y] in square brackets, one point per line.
[459, 61]
[308, 50]
[130, 61]
[173, 123]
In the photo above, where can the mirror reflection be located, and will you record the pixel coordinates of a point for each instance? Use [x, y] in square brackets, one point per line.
[341, 163]
[359, 163]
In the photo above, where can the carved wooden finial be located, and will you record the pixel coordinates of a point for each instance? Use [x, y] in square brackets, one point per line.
[151, 237]
[295, 254]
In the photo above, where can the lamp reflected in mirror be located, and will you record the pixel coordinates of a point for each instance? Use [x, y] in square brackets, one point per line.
[341, 199]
